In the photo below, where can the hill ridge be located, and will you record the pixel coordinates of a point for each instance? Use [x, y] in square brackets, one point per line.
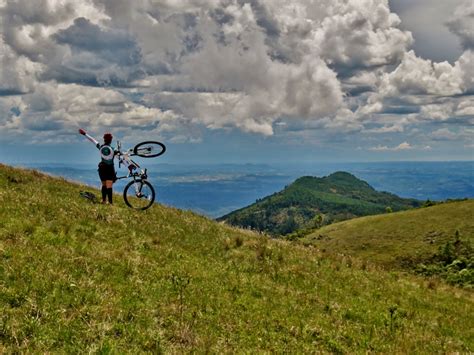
[314, 201]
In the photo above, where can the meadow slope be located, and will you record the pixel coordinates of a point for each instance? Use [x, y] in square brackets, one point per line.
[398, 239]
[80, 277]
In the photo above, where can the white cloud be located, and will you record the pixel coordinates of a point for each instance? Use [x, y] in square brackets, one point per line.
[443, 134]
[422, 90]
[228, 64]
[386, 129]
[16, 73]
[59, 110]
[401, 146]
[448, 110]
[418, 76]
[362, 34]
[339, 66]
[446, 134]
[461, 23]
[466, 108]
[466, 65]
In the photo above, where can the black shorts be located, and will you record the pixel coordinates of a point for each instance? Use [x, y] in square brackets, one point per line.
[107, 172]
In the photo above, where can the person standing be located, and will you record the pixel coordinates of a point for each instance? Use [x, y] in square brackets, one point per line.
[106, 169]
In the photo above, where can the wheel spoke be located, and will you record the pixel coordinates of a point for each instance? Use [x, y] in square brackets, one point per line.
[139, 195]
[149, 149]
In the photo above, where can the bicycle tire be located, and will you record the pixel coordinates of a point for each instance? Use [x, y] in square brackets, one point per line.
[132, 201]
[150, 147]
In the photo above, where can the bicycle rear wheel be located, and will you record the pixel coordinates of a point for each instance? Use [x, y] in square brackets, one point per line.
[149, 149]
[139, 195]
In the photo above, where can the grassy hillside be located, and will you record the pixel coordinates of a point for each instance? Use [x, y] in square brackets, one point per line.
[404, 239]
[77, 277]
[311, 202]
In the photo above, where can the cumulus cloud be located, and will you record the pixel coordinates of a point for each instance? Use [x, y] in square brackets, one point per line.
[458, 111]
[417, 76]
[226, 63]
[173, 67]
[59, 110]
[95, 56]
[461, 23]
[362, 34]
[15, 73]
[424, 91]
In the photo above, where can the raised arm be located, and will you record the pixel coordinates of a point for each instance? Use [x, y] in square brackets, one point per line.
[92, 139]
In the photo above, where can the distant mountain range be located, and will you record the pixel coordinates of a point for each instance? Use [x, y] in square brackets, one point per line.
[311, 202]
[198, 188]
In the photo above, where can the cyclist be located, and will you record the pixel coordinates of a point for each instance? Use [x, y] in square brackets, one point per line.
[106, 169]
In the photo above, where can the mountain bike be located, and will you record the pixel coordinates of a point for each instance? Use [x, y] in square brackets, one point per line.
[139, 194]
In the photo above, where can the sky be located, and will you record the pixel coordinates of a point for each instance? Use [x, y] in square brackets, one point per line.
[238, 81]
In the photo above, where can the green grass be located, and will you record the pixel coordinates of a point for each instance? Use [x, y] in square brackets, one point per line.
[401, 238]
[77, 277]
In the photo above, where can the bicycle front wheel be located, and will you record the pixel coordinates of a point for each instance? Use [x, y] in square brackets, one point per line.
[149, 149]
[139, 195]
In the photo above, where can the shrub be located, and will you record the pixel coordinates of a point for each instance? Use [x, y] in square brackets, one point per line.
[453, 262]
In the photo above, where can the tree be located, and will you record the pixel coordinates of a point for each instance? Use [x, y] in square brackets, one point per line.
[289, 226]
[428, 203]
[317, 221]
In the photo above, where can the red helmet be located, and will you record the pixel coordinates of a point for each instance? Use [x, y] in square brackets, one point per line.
[108, 137]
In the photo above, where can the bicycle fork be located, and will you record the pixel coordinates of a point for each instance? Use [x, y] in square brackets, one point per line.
[138, 187]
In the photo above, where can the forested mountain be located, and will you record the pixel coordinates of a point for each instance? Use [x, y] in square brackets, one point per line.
[311, 202]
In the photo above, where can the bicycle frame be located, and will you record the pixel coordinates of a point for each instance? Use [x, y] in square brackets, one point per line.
[125, 156]
[141, 176]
